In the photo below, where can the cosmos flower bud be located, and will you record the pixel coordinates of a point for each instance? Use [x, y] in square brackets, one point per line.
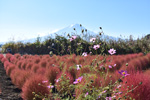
[80, 25]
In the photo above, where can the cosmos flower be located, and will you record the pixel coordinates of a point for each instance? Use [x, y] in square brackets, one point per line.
[44, 81]
[50, 86]
[96, 47]
[78, 80]
[78, 66]
[73, 38]
[57, 80]
[84, 54]
[123, 73]
[108, 98]
[86, 94]
[110, 66]
[92, 40]
[118, 86]
[112, 51]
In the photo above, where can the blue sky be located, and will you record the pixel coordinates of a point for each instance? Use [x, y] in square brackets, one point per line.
[22, 19]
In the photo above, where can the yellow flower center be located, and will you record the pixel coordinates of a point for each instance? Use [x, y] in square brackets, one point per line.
[123, 73]
[78, 80]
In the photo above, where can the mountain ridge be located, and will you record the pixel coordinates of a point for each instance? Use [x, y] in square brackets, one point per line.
[73, 29]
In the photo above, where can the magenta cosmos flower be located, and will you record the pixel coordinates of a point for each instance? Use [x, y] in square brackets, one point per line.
[86, 94]
[108, 98]
[50, 86]
[84, 54]
[112, 51]
[78, 80]
[96, 47]
[123, 73]
[92, 40]
[73, 38]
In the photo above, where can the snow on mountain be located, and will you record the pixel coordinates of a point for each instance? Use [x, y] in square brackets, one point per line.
[74, 29]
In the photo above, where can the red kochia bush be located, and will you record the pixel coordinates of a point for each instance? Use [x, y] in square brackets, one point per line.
[35, 67]
[95, 79]
[29, 65]
[3, 60]
[1, 56]
[43, 63]
[8, 56]
[62, 85]
[17, 55]
[13, 59]
[19, 63]
[15, 73]
[51, 74]
[21, 79]
[9, 69]
[37, 60]
[142, 92]
[6, 64]
[23, 65]
[84, 69]
[31, 86]
[41, 71]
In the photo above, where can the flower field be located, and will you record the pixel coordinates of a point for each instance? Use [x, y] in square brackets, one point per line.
[92, 77]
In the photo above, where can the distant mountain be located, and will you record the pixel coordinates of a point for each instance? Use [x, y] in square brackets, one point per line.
[74, 29]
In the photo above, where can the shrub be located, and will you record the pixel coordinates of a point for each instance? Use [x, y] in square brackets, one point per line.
[19, 63]
[142, 92]
[3, 60]
[23, 65]
[37, 60]
[9, 69]
[51, 74]
[1, 56]
[17, 55]
[29, 66]
[41, 71]
[13, 59]
[43, 63]
[32, 87]
[15, 73]
[63, 81]
[8, 56]
[6, 64]
[22, 78]
[35, 67]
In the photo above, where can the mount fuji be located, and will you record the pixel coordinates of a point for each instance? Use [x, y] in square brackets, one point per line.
[74, 29]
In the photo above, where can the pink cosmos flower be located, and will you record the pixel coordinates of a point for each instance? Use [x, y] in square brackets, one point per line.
[114, 65]
[96, 47]
[92, 40]
[73, 38]
[112, 51]
[110, 66]
[118, 86]
[86, 94]
[50, 86]
[57, 80]
[108, 98]
[79, 66]
[78, 80]
[123, 73]
[44, 81]
[84, 54]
